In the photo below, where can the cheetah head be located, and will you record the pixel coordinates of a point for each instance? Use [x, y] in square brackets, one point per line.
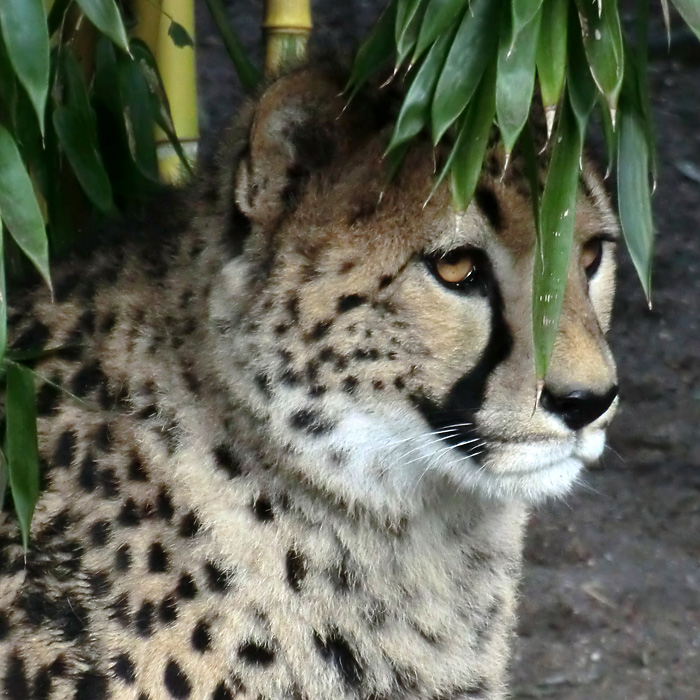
[386, 342]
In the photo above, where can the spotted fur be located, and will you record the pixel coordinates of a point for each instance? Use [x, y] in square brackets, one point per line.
[293, 464]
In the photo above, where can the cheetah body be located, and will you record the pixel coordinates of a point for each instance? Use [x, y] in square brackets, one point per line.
[254, 494]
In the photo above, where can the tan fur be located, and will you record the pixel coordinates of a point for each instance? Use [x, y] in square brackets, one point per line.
[249, 499]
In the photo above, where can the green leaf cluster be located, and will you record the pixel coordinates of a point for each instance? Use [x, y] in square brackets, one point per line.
[77, 139]
[473, 64]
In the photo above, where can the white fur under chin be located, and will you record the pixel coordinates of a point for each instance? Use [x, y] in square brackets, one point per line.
[391, 458]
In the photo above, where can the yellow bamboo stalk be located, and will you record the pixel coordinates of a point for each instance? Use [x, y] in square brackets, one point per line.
[177, 70]
[287, 27]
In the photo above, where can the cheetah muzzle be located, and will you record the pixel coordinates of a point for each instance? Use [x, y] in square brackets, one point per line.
[308, 425]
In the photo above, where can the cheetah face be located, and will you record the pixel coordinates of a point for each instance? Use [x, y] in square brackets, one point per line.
[390, 340]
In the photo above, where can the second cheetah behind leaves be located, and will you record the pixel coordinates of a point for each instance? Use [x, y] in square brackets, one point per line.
[306, 440]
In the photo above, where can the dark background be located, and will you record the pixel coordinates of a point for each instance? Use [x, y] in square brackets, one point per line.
[611, 593]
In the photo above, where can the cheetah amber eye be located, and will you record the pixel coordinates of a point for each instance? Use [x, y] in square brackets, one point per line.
[591, 256]
[457, 269]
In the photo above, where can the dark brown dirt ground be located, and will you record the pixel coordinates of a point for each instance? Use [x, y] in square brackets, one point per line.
[611, 594]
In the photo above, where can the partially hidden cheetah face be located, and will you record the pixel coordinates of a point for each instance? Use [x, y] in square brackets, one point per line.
[388, 342]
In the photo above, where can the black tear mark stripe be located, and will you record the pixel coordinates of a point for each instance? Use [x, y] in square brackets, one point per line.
[487, 202]
[466, 396]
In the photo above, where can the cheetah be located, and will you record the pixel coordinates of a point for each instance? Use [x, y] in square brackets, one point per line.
[300, 430]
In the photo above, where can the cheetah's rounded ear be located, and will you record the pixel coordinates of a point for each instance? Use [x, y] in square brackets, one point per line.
[295, 132]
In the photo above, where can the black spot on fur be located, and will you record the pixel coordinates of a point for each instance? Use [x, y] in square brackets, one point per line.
[320, 330]
[346, 266]
[176, 681]
[47, 399]
[129, 514]
[349, 385]
[336, 650]
[488, 203]
[57, 526]
[217, 579]
[226, 460]
[385, 281]
[108, 322]
[91, 685]
[122, 558]
[295, 564]
[65, 614]
[293, 309]
[186, 587]
[262, 508]
[109, 483]
[42, 684]
[65, 285]
[201, 638]
[263, 383]
[87, 379]
[4, 625]
[221, 692]
[121, 609]
[100, 583]
[144, 618]
[167, 611]
[99, 533]
[309, 422]
[87, 477]
[123, 667]
[257, 654]
[189, 525]
[137, 470]
[15, 684]
[350, 301]
[103, 438]
[158, 559]
[34, 337]
[164, 504]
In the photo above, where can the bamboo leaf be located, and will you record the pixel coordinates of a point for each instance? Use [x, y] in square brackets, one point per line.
[555, 236]
[408, 20]
[83, 155]
[160, 107]
[4, 479]
[23, 24]
[21, 440]
[137, 115]
[439, 15]
[551, 56]
[522, 13]
[104, 14]
[179, 35]
[3, 308]
[602, 39]
[633, 193]
[580, 86]
[374, 51]
[248, 74]
[637, 63]
[515, 80]
[20, 210]
[611, 136]
[690, 12]
[415, 109]
[468, 152]
[474, 46]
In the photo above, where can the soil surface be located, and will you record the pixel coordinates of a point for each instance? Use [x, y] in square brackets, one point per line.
[611, 593]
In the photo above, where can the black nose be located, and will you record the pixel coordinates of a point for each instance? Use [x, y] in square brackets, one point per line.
[577, 408]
